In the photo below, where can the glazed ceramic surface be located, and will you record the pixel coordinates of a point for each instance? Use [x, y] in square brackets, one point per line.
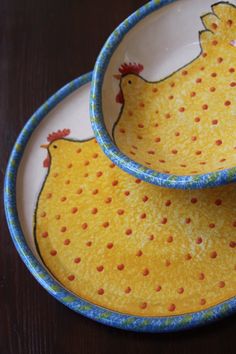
[108, 245]
[167, 97]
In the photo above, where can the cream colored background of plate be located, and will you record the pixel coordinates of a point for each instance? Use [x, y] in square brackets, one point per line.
[163, 42]
[72, 113]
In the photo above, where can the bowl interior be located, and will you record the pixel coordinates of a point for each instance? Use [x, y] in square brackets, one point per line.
[171, 106]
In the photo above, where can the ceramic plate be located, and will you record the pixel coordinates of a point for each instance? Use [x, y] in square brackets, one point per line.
[110, 246]
[164, 94]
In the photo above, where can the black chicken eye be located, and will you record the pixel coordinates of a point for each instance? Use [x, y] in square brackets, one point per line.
[55, 146]
[130, 82]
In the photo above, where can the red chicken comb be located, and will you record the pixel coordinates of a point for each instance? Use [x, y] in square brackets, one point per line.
[130, 68]
[58, 135]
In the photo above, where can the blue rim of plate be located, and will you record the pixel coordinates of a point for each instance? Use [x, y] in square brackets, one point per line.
[105, 316]
[97, 120]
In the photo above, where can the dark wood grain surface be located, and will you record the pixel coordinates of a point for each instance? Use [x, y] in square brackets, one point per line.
[43, 45]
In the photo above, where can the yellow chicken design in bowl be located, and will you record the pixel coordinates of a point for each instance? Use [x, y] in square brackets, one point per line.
[184, 124]
[129, 246]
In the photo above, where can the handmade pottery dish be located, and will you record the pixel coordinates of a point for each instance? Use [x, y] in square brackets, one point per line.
[108, 245]
[163, 94]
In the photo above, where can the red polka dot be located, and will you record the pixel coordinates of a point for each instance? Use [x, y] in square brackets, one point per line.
[94, 211]
[45, 234]
[167, 263]
[184, 72]
[86, 163]
[215, 42]
[167, 115]
[122, 130]
[145, 272]
[151, 152]
[212, 89]
[139, 253]
[77, 260]
[145, 199]
[158, 288]
[181, 109]
[100, 268]
[188, 257]
[120, 266]
[154, 90]
[53, 253]
[49, 195]
[95, 191]
[205, 107]
[198, 152]
[193, 200]
[218, 142]
[63, 199]
[105, 224]
[108, 200]
[78, 151]
[233, 84]
[142, 104]
[157, 140]
[187, 220]
[99, 174]
[126, 193]
[218, 202]
[199, 80]
[180, 290]
[66, 242]
[71, 277]
[151, 237]
[202, 302]
[120, 211]
[79, 191]
[143, 216]
[43, 214]
[171, 97]
[201, 276]
[211, 226]
[100, 291]
[219, 60]
[198, 240]
[170, 239]
[221, 284]
[95, 155]
[89, 243]
[193, 94]
[69, 165]
[128, 290]
[213, 74]
[84, 226]
[227, 103]
[204, 55]
[58, 217]
[231, 70]
[229, 23]
[138, 181]
[177, 134]
[232, 244]
[162, 161]
[128, 232]
[174, 151]
[112, 165]
[214, 122]
[143, 305]
[110, 245]
[140, 125]
[63, 229]
[168, 203]
[234, 224]
[164, 221]
[197, 119]
[74, 210]
[194, 138]
[171, 307]
[213, 254]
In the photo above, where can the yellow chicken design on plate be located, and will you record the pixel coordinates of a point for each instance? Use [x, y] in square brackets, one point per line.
[184, 124]
[129, 246]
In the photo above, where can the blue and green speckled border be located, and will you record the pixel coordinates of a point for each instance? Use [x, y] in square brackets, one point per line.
[102, 136]
[111, 318]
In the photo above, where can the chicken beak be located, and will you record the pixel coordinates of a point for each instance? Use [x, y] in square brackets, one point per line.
[44, 146]
[117, 76]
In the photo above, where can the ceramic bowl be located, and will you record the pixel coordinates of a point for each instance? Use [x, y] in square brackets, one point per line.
[163, 94]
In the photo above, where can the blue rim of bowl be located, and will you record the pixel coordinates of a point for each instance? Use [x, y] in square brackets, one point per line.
[97, 120]
[105, 316]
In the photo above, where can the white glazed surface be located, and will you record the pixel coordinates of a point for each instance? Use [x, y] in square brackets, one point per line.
[71, 113]
[162, 42]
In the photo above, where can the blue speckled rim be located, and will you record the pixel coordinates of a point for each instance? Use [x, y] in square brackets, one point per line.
[102, 136]
[111, 318]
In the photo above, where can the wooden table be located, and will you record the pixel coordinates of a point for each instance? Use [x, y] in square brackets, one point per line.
[43, 45]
